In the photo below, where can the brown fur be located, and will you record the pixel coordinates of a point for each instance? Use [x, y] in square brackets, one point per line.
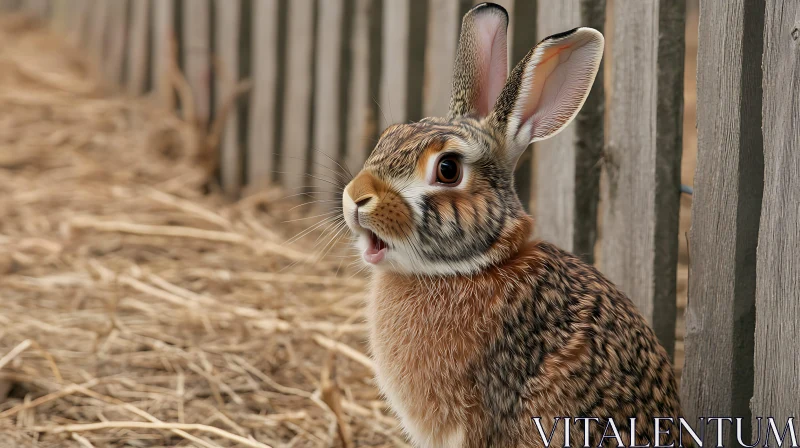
[390, 214]
[433, 335]
[481, 329]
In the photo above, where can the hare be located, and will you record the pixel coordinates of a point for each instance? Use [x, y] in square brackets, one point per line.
[477, 329]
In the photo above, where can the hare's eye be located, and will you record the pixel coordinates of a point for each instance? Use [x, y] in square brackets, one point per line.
[448, 170]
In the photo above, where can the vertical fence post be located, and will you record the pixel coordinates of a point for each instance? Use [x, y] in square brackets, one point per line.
[163, 34]
[82, 19]
[117, 24]
[138, 31]
[326, 125]
[641, 198]
[98, 31]
[297, 103]
[39, 8]
[444, 21]
[60, 12]
[522, 39]
[228, 20]
[261, 140]
[394, 73]
[360, 118]
[776, 391]
[567, 165]
[718, 376]
[197, 55]
[9, 5]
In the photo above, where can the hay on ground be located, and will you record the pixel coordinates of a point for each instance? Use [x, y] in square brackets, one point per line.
[137, 309]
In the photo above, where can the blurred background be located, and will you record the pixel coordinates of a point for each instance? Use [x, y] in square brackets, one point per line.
[171, 266]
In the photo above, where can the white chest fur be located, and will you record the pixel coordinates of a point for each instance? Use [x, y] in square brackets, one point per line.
[423, 345]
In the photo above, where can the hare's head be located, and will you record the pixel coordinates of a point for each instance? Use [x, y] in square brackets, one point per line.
[437, 196]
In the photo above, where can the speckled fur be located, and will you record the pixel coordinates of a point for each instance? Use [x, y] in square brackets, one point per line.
[540, 335]
[476, 328]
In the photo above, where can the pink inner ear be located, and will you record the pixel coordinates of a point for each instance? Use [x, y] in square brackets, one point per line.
[493, 51]
[558, 79]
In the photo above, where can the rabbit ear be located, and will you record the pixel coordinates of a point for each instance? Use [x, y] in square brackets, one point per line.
[481, 65]
[548, 87]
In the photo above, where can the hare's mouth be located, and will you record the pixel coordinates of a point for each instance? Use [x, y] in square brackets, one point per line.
[376, 250]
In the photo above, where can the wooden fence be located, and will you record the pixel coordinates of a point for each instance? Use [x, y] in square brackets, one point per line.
[328, 75]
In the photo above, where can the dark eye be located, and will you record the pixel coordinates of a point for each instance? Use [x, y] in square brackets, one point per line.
[448, 170]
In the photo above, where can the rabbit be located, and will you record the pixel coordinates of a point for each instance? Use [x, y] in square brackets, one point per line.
[475, 327]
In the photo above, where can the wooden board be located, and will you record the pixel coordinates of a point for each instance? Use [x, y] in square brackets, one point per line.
[641, 196]
[717, 378]
[39, 8]
[138, 29]
[360, 119]
[117, 30]
[776, 391]
[97, 31]
[197, 56]
[228, 20]
[567, 165]
[261, 138]
[162, 51]
[327, 177]
[61, 15]
[9, 5]
[297, 103]
[444, 23]
[394, 73]
[522, 38]
[80, 18]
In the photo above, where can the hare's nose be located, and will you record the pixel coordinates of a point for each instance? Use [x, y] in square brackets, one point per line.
[364, 200]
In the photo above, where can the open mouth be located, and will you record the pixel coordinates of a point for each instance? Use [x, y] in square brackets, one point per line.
[376, 250]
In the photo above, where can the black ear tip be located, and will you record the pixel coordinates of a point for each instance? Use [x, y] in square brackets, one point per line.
[562, 34]
[489, 7]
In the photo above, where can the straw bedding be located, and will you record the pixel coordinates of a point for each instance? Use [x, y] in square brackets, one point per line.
[139, 309]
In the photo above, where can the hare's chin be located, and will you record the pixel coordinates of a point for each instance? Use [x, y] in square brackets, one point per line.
[376, 250]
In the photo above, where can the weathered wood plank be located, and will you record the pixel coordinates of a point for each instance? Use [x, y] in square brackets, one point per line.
[776, 391]
[162, 50]
[326, 110]
[117, 29]
[360, 119]
[9, 5]
[567, 165]
[61, 14]
[297, 105]
[39, 8]
[197, 56]
[717, 379]
[78, 22]
[98, 31]
[137, 46]
[522, 37]
[641, 198]
[226, 34]
[444, 21]
[261, 138]
[394, 73]
[415, 69]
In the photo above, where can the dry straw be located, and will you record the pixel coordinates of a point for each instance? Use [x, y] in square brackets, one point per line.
[138, 309]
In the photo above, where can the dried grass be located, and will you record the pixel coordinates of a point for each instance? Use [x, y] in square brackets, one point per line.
[137, 310]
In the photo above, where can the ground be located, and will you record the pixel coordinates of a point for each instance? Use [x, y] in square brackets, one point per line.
[131, 298]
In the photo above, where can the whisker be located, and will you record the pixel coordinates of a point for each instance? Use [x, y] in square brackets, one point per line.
[311, 217]
[386, 121]
[344, 169]
[318, 201]
[310, 229]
